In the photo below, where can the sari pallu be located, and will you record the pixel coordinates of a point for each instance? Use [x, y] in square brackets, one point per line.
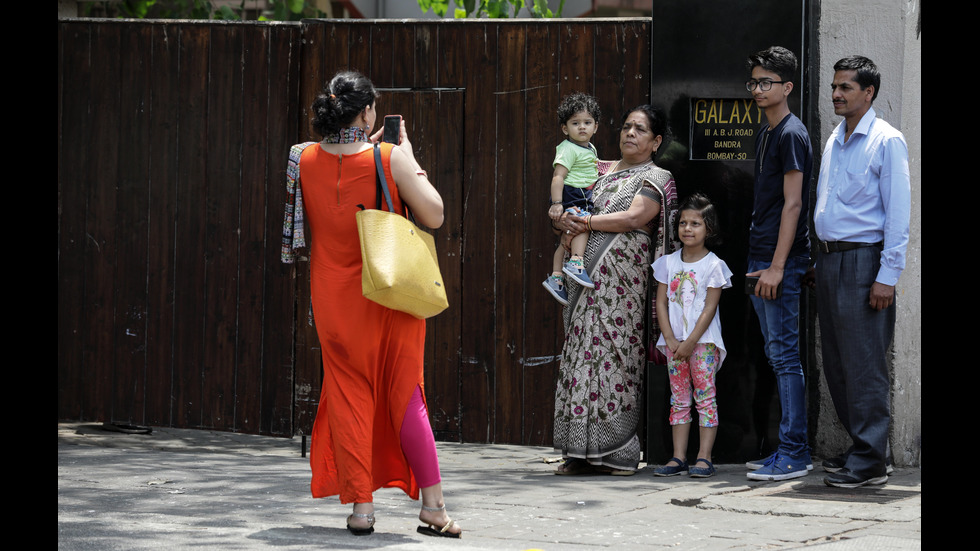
[597, 400]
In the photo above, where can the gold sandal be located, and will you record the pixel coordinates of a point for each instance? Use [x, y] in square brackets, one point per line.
[443, 532]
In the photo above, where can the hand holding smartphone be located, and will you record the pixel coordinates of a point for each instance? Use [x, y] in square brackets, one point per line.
[392, 129]
[751, 281]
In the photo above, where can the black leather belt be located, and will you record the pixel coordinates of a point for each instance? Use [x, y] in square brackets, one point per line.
[841, 246]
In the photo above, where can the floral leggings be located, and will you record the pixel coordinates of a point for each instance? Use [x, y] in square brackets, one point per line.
[695, 377]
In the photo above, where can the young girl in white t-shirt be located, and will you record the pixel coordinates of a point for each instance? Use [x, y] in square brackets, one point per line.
[690, 283]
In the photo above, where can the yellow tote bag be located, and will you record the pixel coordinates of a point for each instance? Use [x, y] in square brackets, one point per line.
[399, 265]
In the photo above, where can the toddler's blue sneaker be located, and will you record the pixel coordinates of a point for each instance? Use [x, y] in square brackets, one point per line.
[782, 467]
[575, 270]
[557, 290]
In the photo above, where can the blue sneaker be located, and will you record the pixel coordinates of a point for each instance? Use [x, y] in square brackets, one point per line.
[782, 467]
[575, 270]
[554, 286]
[760, 463]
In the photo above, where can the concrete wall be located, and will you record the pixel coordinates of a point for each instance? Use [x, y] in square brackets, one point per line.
[888, 32]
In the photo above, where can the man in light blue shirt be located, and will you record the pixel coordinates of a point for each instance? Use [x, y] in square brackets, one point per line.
[861, 219]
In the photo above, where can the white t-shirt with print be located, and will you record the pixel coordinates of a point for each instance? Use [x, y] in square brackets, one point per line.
[687, 289]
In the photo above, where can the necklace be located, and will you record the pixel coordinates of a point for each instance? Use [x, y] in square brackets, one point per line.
[348, 135]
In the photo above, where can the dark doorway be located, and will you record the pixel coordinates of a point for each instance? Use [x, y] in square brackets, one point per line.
[698, 74]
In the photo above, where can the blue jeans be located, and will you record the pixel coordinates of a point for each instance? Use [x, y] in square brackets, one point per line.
[779, 320]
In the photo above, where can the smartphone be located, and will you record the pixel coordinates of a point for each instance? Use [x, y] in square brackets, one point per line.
[393, 129]
[751, 281]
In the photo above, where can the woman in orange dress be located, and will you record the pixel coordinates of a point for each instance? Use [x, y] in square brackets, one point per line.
[371, 429]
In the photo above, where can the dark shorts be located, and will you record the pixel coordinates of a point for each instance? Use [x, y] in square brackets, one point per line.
[577, 197]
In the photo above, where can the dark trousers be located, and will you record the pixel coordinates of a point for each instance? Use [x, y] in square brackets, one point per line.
[855, 340]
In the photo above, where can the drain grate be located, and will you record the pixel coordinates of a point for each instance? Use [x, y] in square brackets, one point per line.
[862, 495]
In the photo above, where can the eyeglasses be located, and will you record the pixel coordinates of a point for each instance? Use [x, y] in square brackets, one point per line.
[765, 84]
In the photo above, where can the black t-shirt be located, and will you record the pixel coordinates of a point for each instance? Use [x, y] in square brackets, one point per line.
[778, 151]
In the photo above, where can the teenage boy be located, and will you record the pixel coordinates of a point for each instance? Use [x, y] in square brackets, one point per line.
[779, 252]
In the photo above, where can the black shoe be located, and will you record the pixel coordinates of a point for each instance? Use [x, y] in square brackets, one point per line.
[835, 464]
[847, 479]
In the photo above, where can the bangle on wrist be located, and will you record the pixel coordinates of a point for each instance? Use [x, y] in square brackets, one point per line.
[556, 202]
[588, 222]
[421, 172]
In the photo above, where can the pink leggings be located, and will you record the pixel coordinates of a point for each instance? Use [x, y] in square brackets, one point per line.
[418, 444]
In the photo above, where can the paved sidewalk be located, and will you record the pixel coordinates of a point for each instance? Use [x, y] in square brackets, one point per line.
[198, 489]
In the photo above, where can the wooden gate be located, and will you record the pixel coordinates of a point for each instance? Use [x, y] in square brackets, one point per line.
[173, 307]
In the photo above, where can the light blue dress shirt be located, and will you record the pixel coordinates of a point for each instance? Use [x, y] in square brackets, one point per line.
[864, 193]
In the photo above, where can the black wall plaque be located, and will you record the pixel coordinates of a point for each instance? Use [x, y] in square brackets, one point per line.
[724, 129]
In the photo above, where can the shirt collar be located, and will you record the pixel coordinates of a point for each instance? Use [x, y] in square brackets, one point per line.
[863, 126]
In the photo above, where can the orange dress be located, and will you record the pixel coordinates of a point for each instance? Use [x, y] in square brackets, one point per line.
[372, 355]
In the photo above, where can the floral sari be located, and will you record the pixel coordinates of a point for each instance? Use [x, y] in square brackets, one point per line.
[597, 400]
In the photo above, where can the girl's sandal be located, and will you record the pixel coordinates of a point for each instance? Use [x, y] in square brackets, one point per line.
[443, 532]
[361, 531]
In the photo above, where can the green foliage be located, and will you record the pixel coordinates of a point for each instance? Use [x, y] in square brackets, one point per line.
[282, 10]
[291, 10]
[490, 8]
[160, 9]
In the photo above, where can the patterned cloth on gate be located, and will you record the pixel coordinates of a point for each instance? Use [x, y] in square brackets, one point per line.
[294, 226]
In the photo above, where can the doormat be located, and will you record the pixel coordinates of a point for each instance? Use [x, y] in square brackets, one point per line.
[863, 494]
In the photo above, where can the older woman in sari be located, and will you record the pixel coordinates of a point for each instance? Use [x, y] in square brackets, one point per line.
[597, 400]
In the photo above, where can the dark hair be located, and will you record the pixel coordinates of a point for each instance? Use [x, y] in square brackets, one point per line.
[775, 59]
[655, 116]
[348, 93]
[700, 203]
[867, 72]
[573, 103]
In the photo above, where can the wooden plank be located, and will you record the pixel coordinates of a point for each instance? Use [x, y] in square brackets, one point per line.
[426, 57]
[543, 326]
[360, 51]
[610, 88]
[402, 56]
[637, 59]
[381, 47]
[440, 154]
[576, 61]
[250, 339]
[161, 243]
[100, 172]
[189, 274]
[324, 47]
[75, 77]
[478, 364]
[453, 60]
[223, 203]
[130, 221]
[510, 262]
[314, 77]
[279, 320]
